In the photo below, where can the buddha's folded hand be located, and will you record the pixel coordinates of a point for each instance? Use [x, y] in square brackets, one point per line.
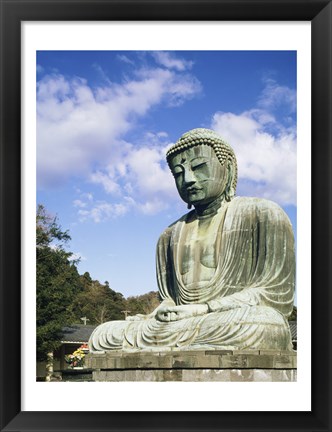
[140, 317]
[176, 313]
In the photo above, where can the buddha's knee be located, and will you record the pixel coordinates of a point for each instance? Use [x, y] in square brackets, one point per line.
[275, 333]
[108, 336]
[266, 315]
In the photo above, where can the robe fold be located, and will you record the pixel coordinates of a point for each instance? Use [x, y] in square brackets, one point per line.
[249, 295]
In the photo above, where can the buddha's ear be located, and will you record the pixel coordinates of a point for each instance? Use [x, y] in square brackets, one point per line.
[229, 190]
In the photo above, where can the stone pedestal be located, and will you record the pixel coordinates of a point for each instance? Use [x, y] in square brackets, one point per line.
[192, 366]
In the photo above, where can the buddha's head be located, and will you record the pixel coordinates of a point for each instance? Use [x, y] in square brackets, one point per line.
[204, 167]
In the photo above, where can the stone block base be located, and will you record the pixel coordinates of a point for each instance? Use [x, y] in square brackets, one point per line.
[192, 366]
[197, 375]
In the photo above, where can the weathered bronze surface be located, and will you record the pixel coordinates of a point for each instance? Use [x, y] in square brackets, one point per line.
[225, 270]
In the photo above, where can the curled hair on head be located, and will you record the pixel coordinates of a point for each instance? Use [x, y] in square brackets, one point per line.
[222, 149]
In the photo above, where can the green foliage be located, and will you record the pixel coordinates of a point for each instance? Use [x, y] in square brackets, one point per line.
[57, 282]
[48, 230]
[64, 296]
[143, 304]
[98, 302]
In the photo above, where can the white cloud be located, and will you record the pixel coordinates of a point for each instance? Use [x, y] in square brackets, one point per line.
[101, 72]
[266, 162]
[102, 211]
[154, 138]
[39, 69]
[79, 203]
[141, 175]
[139, 180]
[79, 127]
[108, 183]
[264, 141]
[149, 173]
[275, 95]
[170, 61]
[176, 88]
[153, 206]
[125, 59]
[81, 131]
[265, 148]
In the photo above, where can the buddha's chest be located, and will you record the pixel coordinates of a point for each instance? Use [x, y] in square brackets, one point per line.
[198, 251]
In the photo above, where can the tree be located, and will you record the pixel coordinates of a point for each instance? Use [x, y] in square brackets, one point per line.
[143, 304]
[293, 316]
[58, 282]
[98, 302]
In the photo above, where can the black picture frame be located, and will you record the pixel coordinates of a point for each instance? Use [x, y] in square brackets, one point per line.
[13, 12]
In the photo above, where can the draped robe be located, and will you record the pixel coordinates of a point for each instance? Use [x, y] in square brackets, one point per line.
[249, 295]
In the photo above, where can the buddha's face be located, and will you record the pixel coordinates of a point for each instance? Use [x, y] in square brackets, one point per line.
[199, 176]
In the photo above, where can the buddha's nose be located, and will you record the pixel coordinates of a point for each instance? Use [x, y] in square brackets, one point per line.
[189, 177]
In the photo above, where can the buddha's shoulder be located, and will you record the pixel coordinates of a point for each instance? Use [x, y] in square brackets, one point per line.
[253, 203]
[177, 224]
[259, 207]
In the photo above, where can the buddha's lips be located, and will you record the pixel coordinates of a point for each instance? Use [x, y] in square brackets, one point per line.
[191, 190]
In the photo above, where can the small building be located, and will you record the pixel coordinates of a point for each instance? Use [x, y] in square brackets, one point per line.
[73, 337]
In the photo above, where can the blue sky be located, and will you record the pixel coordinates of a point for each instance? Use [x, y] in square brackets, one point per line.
[105, 120]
